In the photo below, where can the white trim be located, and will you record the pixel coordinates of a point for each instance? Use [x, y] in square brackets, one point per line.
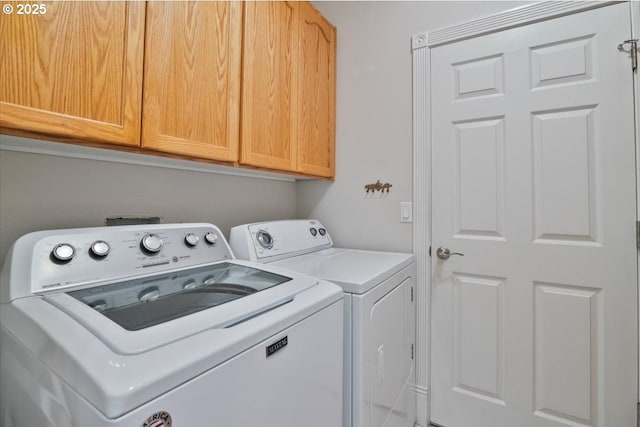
[421, 237]
[27, 145]
[422, 394]
[419, 41]
[519, 16]
[635, 33]
[421, 44]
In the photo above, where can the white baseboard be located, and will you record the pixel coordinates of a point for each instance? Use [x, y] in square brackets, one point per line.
[422, 406]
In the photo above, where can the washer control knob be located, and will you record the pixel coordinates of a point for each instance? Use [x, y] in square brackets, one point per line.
[313, 231]
[151, 243]
[63, 253]
[264, 239]
[99, 249]
[191, 240]
[322, 231]
[211, 238]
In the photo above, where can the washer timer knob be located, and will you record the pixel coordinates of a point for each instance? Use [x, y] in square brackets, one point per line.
[191, 240]
[211, 238]
[63, 253]
[99, 249]
[151, 243]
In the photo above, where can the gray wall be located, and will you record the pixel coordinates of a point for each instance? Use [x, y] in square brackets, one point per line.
[39, 192]
[374, 116]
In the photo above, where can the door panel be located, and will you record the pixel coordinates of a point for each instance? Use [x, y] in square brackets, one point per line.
[74, 71]
[269, 91]
[533, 174]
[192, 79]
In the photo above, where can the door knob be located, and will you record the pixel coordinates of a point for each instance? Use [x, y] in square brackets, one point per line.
[444, 253]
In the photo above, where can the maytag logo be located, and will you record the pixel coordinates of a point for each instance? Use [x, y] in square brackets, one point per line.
[278, 345]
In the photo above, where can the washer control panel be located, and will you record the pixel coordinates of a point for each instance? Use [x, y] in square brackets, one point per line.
[66, 258]
[269, 241]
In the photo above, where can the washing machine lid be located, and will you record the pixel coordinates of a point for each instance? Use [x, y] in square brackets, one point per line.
[142, 303]
[117, 370]
[141, 314]
[356, 271]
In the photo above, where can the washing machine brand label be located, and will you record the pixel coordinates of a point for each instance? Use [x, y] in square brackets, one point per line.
[159, 419]
[278, 345]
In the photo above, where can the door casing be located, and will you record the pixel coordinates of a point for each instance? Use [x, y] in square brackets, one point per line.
[421, 45]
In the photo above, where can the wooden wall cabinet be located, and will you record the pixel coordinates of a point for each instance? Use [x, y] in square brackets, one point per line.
[244, 83]
[288, 96]
[269, 85]
[316, 94]
[74, 71]
[192, 78]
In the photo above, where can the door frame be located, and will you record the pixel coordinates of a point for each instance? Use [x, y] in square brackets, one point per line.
[421, 65]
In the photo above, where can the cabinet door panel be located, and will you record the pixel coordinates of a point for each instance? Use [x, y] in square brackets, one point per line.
[74, 71]
[192, 78]
[316, 131]
[269, 95]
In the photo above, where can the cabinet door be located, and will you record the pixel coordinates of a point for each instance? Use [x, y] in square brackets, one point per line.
[192, 78]
[316, 94]
[269, 98]
[73, 71]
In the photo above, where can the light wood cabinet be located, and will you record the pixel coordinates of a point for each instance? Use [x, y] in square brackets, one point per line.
[192, 79]
[74, 71]
[269, 91]
[245, 83]
[288, 97]
[316, 94]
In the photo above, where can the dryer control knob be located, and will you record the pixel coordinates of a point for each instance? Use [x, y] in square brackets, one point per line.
[211, 238]
[151, 244]
[264, 239]
[63, 253]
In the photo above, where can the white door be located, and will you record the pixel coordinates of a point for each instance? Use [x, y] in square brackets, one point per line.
[533, 174]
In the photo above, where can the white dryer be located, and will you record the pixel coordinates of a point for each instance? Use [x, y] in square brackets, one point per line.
[156, 325]
[379, 313]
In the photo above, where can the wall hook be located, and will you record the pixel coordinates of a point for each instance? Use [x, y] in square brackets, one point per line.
[378, 186]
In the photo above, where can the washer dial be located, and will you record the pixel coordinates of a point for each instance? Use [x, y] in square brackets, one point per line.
[211, 238]
[151, 243]
[191, 240]
[63, 253]
[99, 249]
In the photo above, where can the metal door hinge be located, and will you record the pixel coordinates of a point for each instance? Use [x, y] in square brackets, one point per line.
[633, 51]
[411, 351]
[638, 234]
[412, 294]
[429, 250]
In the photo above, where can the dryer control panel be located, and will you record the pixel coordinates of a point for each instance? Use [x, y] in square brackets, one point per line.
[275, 240]
[60, 259]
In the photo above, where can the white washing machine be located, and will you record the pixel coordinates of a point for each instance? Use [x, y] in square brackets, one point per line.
[379, 313]
[158, 325]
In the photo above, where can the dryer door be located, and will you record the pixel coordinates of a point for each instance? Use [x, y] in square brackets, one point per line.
[390, 355]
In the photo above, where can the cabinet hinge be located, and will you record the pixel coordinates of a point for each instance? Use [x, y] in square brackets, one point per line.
[633, 51]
